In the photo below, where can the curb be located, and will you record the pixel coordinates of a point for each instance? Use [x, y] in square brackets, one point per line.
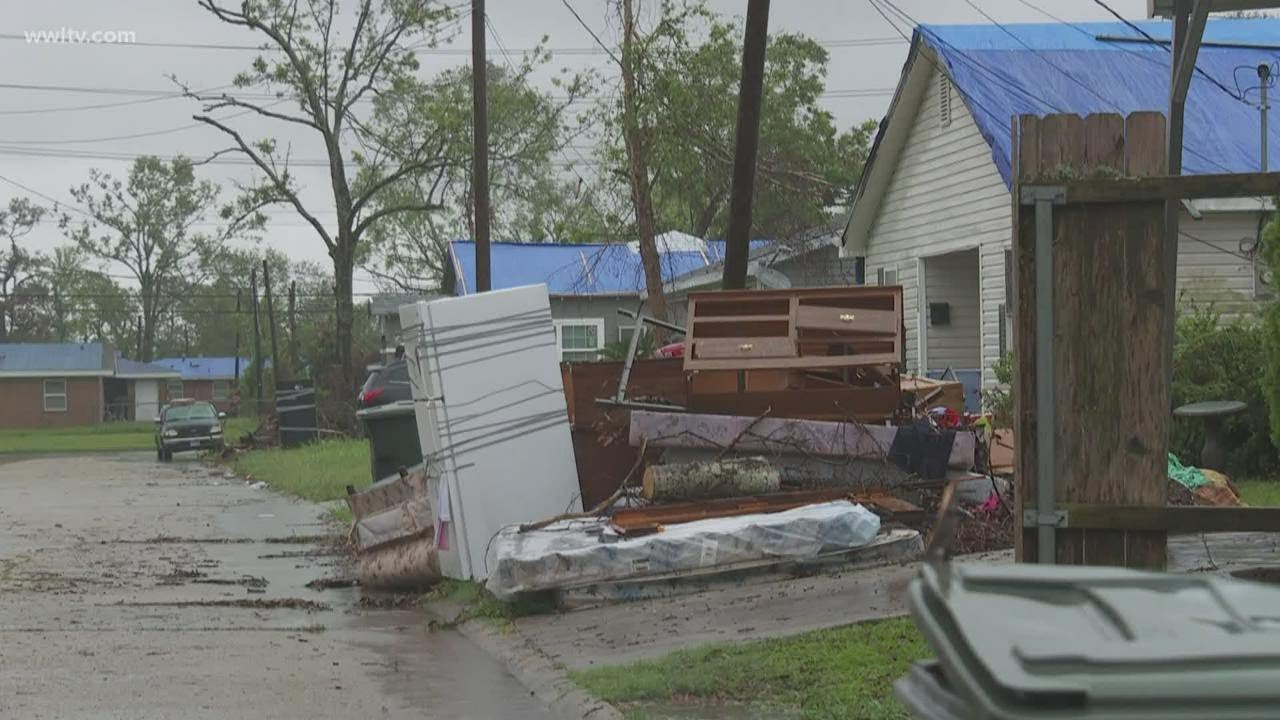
[538, 673]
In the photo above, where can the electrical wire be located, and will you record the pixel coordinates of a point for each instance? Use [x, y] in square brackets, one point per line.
[1145, 34]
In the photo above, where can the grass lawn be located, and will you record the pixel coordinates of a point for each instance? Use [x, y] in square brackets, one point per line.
[1260, 492]
[318, 472]
[839, 673]
[104, 437]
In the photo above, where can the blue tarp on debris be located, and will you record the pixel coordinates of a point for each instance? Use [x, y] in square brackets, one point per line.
[1043, 69]
[577, 269]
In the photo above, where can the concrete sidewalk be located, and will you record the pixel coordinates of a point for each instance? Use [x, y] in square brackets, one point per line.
[649, 629]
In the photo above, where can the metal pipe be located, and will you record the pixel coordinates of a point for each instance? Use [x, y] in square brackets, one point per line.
[1046, 409]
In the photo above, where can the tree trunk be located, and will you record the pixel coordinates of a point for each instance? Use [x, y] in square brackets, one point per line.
[705, 480]
[638, 175]
[343, 273]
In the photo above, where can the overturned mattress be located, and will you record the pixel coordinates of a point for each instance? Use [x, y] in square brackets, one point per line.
[574, 553]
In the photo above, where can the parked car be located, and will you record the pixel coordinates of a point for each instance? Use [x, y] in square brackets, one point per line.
[385, 385]
[188, 425]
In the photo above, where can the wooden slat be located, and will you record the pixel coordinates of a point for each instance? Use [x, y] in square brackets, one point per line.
[1163, 187]
[862, 404]
[1177, 519]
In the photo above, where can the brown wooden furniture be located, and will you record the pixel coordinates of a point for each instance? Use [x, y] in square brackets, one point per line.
[802, 328]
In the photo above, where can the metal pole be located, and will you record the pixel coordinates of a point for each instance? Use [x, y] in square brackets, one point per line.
[480, 146]
[257, 339]
[271, 321]
[1046, 409]
[237, 352]
[737, 248]
[1264, 76]
[295, 362]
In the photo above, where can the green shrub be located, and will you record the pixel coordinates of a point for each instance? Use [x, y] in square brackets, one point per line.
[1270, 380]
[1217, 361]
[998, 400]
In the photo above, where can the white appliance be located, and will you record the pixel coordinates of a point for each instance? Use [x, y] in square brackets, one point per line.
[492, 419]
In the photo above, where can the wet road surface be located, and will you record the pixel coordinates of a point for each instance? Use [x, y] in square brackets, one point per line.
[135, 590]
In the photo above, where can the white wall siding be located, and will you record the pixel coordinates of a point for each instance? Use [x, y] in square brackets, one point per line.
[945, 194]
[954, 279]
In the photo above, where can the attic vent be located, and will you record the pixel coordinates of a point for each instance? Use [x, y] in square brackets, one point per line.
[944, 101]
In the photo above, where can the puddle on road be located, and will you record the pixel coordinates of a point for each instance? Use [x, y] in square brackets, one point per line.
[441, 672]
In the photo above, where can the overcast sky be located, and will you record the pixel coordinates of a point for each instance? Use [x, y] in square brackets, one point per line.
[34, 146]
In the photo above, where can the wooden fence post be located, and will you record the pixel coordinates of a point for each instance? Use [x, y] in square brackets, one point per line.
[1111, 412]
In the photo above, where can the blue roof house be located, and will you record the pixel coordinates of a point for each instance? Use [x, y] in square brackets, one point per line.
[588, 283]
[204, 378]
[932, 211]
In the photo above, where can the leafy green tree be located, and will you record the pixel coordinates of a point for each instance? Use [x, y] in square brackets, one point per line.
[323, 62]
[527, 127]
[87, 306]
[149, 225]
[690, 71]
[1271, 330]
[19, 266]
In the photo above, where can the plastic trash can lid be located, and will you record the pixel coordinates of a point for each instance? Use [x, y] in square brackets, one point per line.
[1106, 642]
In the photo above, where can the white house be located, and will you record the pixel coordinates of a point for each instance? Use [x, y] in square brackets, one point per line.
[932, 210]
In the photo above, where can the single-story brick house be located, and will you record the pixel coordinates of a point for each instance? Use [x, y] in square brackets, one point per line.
[54, 384]
[145, 389]
[205, 378]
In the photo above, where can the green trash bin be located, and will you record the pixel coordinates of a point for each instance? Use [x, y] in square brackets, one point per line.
[393, 438]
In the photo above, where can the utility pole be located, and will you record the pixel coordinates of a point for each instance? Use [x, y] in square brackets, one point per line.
[480, 146]
[271, 321]
[1264, 78]
[295, 362]
[738, 245]
[237, 352]
[257, 339]
[138, 319]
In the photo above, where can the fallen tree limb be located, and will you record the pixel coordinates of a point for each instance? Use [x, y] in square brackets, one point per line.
[717, 479]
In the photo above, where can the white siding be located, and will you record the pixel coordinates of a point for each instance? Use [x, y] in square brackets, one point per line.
[953, 279]
[945, 194]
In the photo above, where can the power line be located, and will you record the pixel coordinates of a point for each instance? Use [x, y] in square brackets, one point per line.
[445, 50]
[1167, 49]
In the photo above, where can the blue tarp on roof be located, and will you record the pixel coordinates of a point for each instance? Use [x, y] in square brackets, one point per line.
[1043, 69]
[55, 357]
[125, 366]
[205, 368]
[579, 269]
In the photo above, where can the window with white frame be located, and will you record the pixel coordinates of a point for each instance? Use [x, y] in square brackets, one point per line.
[174, 389]
[579, 339]
[221, 389]
[625, 332]
[55, 395]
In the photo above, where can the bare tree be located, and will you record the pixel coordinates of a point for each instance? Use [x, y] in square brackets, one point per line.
[308, 65]
[636, 138]
[18, 266]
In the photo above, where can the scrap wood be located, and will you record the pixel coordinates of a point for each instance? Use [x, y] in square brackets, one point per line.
[639, 521]
[600, 507]
[715, 479]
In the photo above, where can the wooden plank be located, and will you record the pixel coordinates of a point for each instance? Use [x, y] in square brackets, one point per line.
[1111, 401]
[1174, 519]
[1027, 156]
[873, 405]
[1163, 187]
[632, 521]
[801, 362]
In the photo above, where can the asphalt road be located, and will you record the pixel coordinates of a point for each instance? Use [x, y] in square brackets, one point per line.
[131, 589]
